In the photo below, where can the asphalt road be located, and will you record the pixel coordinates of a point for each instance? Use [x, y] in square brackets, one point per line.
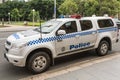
[10, 72]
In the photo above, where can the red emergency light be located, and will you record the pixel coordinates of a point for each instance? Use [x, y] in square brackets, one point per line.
[77, 16]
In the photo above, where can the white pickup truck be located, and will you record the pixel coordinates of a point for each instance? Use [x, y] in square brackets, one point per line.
[38, 48]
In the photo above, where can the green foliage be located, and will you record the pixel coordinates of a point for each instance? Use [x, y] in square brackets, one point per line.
[90, 7]
[35, 15]
[45, 7]
[22, 10]
[68, 7]
[15, 15]
[109, 7]
[98, 7]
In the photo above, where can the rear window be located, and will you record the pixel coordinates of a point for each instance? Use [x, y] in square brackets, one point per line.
[118, 25]
[86, 25]
[103, 23]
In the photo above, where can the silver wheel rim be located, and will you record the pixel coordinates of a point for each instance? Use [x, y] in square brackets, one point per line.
[39, 63]
[104, 48]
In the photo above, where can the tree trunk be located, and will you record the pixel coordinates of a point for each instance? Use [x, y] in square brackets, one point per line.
[3, 22]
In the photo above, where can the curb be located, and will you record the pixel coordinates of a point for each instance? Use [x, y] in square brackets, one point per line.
[71, 68]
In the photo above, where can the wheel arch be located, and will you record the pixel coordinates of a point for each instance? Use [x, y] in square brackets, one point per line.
[108, 40]
[48, 51]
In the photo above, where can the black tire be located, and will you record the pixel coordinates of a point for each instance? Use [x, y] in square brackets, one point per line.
[103, 48]
[39, 62]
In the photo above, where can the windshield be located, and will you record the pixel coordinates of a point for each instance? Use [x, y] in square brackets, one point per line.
[48, 26]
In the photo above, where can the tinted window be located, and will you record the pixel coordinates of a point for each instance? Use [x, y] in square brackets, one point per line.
[105, 23]
[85, 24]
[118, 26]
[69, 27]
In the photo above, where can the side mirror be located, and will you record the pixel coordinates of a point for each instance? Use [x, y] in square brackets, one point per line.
[61, 32]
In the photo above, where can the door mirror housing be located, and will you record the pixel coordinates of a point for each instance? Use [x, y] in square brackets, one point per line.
[61, 32]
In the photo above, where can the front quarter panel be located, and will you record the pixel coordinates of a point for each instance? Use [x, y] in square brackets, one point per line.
[48, 45]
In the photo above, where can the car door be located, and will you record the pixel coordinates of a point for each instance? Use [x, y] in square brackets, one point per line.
[88, 34]
[70, 38]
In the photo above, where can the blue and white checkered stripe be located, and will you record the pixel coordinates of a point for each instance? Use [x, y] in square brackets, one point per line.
[50, 39]
[54, 38]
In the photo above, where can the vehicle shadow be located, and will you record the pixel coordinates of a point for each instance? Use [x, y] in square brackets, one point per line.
[15, 73]
[74, 58]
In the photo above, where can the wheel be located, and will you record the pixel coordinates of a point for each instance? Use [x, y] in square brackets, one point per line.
[39, 62]
[102, 48]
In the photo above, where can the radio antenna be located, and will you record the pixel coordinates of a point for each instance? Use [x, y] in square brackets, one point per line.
[40, 26]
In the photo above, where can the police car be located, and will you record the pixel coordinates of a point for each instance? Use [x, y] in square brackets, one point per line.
[36, 49]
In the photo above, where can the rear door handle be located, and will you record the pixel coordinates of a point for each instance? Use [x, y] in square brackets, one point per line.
[77, 36]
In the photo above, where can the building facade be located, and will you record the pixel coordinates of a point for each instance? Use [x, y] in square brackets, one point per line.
[2, 1]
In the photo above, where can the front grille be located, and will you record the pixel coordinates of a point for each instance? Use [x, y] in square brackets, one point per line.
[6, 49]
[8, 43]
[6, 57]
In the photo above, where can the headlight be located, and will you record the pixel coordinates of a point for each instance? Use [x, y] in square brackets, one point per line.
[21, 45]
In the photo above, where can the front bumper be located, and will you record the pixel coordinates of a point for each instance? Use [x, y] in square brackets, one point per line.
[16, 60]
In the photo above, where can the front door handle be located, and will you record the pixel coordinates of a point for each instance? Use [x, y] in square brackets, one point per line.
[93, 32]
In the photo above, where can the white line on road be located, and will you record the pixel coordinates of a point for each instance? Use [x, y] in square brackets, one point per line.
[72, 67]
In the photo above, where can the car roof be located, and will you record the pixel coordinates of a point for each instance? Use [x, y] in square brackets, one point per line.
[65, 19]
[95, 18]
[83, 18]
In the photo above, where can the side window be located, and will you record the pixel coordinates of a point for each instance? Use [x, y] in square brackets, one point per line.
[103, 23]
[86, 25]
[69, 27]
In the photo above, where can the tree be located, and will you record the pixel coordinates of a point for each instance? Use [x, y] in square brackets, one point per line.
[109, 7]
[8, 6]
[90, 7]
[98, 7]
[87, 7]
[46, 8]
[68, 7]
[15, 15]
[36, 16]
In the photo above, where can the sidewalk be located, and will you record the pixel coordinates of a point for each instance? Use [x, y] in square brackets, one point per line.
[104, 68]
[15, 28]
[108, 70]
